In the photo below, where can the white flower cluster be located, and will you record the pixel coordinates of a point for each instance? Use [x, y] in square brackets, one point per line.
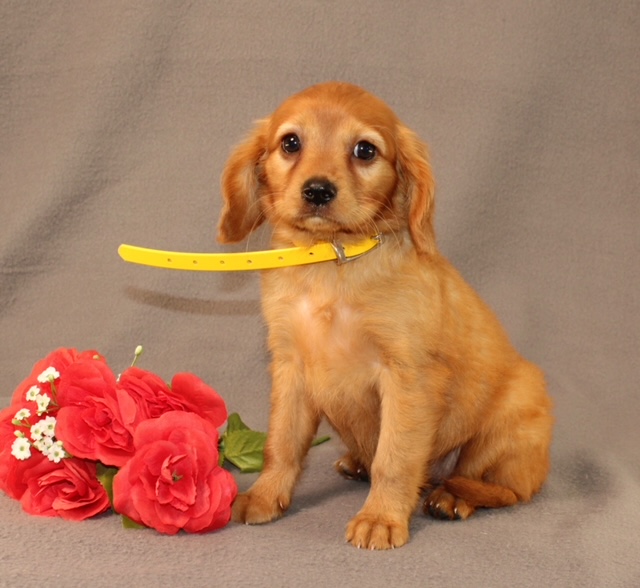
[48, 375]
[43, 432]
[42, 400]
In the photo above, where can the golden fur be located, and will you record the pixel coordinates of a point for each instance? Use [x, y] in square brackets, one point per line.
[394, 349]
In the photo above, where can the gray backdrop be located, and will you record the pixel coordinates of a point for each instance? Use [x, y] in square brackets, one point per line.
[115, 122]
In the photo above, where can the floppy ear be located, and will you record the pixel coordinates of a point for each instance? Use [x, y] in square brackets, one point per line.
[419, 187]
[242, 211]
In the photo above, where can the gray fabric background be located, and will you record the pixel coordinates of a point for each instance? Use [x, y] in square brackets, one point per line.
[115, 122]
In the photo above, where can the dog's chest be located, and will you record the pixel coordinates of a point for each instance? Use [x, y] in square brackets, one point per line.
[333, 343]
[327, 328]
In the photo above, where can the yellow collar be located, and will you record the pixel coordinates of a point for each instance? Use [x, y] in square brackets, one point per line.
[255, 260]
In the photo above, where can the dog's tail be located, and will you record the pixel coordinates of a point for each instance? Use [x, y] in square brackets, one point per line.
[480, 494]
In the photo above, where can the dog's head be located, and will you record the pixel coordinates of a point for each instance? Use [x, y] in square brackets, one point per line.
[332, 162]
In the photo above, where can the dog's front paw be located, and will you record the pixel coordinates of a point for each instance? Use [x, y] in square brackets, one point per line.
[253, 508]
[367, 531]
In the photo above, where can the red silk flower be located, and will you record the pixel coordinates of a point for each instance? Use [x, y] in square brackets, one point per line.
[152, 397]
[173, 481]
[90, 418]
[60, 360]
[68, 489]
[72, 414]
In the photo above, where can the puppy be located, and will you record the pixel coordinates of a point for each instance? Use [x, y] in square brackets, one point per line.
[394, 349]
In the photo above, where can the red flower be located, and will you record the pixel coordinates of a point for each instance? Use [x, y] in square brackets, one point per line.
[199, 398]
[90, 419]
[60, 360]
[14, 473]
[152, 397]
[69, 489]
[149, 393]
[164, 439]
[173, 481]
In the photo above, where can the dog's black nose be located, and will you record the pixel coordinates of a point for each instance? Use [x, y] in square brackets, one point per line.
[319, 191]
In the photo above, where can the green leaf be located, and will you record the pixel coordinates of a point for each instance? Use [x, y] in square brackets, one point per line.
[320, 440]
[234, 423]
[244, 448]
[127, 523]
[221, 451]
[105, 476]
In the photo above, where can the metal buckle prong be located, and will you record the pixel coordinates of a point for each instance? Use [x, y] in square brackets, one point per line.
[339, 251]
[341, 256]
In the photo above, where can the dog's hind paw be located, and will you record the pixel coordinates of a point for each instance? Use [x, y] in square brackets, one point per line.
[441, 504]
[351, 469]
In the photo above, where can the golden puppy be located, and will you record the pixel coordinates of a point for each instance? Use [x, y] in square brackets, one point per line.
[394, 349]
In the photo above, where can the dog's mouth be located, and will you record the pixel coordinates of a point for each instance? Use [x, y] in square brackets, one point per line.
[318, 221]
[317, 226]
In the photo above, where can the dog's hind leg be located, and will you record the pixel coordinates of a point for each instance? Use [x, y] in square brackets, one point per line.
[508, 461]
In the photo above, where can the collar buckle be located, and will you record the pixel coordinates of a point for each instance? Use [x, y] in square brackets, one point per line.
[341, 257]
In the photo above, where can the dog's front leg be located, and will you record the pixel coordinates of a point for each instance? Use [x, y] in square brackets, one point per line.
[399, 467]
[292, 424]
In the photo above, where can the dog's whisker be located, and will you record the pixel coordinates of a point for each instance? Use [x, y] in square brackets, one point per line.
[266, 206]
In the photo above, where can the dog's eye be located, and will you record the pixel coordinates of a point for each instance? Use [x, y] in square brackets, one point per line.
[291, 143]
[364, 150]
